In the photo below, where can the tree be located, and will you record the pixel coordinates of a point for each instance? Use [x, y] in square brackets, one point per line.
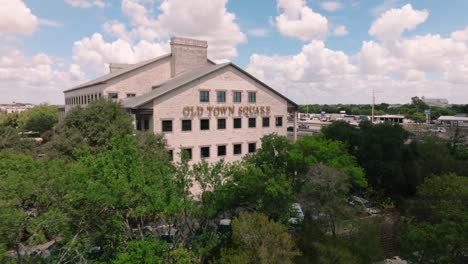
[438, 223]
[343, 132]
[311, 150]
[257, 239]
[91, 127]
[41, 118]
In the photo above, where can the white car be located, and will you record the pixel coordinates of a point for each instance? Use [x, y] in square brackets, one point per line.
[438, 130]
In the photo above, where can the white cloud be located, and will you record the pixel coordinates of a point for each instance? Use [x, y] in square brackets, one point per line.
[461, 35]
[16, 17]
[300, 21]
[36, 79]
[331, 6]
[340, 31]
[390, 25]
[49, 23]
[148, 34]
[429, 65]
[384, 6]
[87, 3]
[95, 53]
[259, 32]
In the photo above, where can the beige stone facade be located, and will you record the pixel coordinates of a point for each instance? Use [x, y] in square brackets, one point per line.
[212, 111]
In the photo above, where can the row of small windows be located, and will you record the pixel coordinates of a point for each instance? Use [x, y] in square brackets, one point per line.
[82, 99]
[221, 151]
[221, 96]
[221, 124]
[86, 99]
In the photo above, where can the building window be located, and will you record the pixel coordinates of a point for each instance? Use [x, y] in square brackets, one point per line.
[252, 122]
[146, 124]
[138, 125]
[186, 125]
[221, 96]
[205, 152]
[186, 153]
[237, 150]
[204, 124]
[252, 97]
[237, 97]
[170, 153]
[131, 95]
[252, 147]
[266, 122]
[237, 123]
[222, 123]
[167, 125]
[204, 96]
[221, 151]
[113, 96]
[279, 121]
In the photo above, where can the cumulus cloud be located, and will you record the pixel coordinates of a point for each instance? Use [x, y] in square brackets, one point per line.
[259, 32]
[87, 3]
[429, 65]
[340, 31]
[300, 21]
[392, 23]
[331, 6]
[148, 34]
[16, 17]
[36, 79]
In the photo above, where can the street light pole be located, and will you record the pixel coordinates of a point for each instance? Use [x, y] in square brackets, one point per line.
[373, 103]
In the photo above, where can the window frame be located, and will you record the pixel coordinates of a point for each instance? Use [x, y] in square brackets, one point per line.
[276, 121]
[217, 96]
[185, 149]
[204, 119]
[217, 123]
[254, 123]
[182, 125]
[254, 97]
[109, 95]
[234, 97]
[234, 148]
[200, 96]
[263, 121]
[162, 125]
[201, 152]
[225, 150]
[250, 144]
[234, 123]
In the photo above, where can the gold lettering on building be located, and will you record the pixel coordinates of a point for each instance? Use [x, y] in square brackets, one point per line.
[191, 111]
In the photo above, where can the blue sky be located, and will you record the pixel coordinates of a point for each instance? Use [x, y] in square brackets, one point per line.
[416, 47]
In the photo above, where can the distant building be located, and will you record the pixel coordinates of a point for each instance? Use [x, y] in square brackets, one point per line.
[438, 102]
[453, 121]
[211, 111]
[394, 119]
[15, 107]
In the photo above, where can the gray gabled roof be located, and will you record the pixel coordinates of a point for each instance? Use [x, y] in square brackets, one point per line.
[112, 75]
[186, 78]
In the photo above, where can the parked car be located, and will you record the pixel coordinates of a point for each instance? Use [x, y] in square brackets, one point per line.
[438, 130]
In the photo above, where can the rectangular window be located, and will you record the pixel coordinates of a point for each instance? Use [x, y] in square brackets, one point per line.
[252, 97]
[222, 123]
[252, 147]
[237, 149]
[167, 126]
[138, 123]
[113, 95]
[237, 97]
[221, 151]
[205, 152]
[186, 125]
[279, 121]
[252, 122]
[186, 153]
[237, 123]
[146, 124]
[170, 153]
[204, 96]
[131, 95]
[221, 96]
[266, 122]
[204, 124]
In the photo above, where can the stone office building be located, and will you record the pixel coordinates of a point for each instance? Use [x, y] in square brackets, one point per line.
[212, 111]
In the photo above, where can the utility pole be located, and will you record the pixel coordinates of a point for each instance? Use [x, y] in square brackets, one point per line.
[373, 103]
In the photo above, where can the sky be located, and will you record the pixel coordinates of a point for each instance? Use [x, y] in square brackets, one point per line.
[314, 51]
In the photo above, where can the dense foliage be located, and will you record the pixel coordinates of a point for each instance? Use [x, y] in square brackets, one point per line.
[98, 193]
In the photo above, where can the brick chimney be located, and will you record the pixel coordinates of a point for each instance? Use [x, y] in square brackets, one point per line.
[187, 54]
